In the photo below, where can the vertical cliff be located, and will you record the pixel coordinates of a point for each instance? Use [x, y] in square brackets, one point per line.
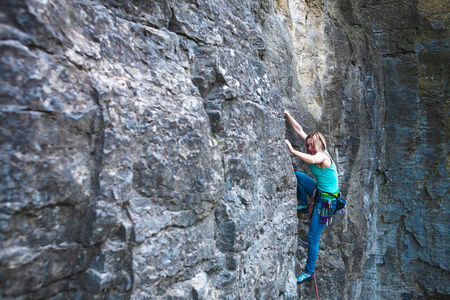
[410, 258]
[143, 156]
[340, 73]
[142, 150]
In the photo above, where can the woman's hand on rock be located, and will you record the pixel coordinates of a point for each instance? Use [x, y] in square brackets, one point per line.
[289, 145]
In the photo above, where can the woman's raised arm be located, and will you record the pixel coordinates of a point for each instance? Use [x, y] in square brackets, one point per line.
[297, 128]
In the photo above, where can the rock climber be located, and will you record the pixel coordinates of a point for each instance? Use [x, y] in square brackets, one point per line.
[325, 186]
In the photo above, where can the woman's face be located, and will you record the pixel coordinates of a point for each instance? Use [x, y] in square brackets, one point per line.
[310, 147]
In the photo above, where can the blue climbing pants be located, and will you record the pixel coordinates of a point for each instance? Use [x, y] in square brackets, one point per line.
[305, 186]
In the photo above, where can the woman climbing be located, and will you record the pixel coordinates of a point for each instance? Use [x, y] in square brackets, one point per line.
[325, 189]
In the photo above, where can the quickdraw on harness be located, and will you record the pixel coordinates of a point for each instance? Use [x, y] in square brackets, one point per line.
[326, 212]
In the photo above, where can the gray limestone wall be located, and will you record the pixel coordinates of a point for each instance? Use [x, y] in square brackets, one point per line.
[142, 148]
[410, 258]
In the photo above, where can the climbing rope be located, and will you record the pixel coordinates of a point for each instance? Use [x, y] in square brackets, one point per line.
[317, 290]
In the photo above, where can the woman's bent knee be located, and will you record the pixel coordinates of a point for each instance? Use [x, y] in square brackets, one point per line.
[300, 175]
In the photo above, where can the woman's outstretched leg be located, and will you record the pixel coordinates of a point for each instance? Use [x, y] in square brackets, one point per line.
[315, 230]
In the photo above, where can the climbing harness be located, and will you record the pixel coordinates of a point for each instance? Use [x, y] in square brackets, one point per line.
[326, 212]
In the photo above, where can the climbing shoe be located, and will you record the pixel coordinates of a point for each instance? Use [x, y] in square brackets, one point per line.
[303, 277]
[302, 209]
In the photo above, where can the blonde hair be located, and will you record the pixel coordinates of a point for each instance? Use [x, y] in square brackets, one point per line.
[317, 141]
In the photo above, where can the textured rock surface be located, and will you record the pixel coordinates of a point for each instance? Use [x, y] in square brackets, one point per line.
[142, 151]
[142, 148]
[410, 258]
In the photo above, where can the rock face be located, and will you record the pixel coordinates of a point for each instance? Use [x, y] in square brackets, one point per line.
[143, 156]
[142, 151]
[410, 258]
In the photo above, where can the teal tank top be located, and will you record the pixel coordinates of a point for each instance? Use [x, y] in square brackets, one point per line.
[327, 179]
